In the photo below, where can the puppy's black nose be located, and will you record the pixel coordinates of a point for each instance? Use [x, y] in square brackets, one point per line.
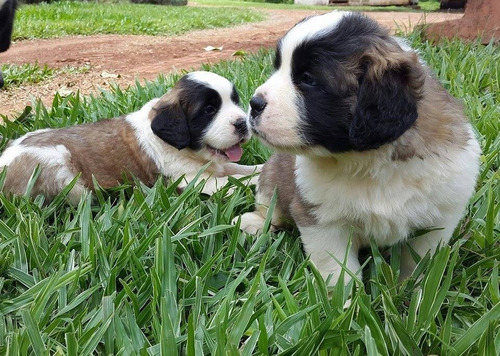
[241, 127]
[258, 104]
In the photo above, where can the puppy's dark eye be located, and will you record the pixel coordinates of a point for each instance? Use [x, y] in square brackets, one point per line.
[210, 109]
[308, 79]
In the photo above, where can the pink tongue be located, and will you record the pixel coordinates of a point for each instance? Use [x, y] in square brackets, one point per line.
[234, 153]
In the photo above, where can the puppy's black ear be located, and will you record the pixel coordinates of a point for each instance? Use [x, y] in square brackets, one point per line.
[169, 122]
[386, 104]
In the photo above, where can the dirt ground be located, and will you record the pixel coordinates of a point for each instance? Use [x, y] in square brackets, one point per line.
[123, 59]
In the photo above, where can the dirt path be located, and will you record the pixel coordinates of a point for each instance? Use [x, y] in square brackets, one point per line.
[144, 57]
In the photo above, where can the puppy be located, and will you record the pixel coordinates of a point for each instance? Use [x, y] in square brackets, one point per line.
[370, 145]
[196, 122]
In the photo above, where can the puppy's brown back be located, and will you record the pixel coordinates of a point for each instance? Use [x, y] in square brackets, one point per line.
[107, 150]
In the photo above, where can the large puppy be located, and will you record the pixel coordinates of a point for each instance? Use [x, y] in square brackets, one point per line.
[196, 122]
[370, 144]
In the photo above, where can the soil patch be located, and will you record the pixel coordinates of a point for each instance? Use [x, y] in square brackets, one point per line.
[144, 57]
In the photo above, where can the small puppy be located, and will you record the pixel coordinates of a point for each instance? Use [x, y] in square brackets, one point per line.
[370, 145]
[196, 122]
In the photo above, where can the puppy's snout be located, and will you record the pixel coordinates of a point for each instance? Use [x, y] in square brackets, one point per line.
[258, 104]
[241, 127]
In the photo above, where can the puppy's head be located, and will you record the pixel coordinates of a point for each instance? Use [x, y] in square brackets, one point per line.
[341, 84]
[201, 113]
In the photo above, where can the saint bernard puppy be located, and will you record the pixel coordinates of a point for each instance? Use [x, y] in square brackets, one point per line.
[196, 122]
[369, 144]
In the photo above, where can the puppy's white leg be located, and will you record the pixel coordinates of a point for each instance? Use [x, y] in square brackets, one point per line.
[328, 245]
[428, 243]
[210, 186]
[251, 173]
[76, 193]
[248, 179]
[213, 184]
[253, 222]
[231, 169]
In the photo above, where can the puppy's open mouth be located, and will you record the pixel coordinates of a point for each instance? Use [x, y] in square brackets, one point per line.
[232, 153]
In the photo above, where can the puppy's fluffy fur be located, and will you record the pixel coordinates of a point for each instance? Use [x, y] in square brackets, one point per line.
[196, 122]
[369, 144]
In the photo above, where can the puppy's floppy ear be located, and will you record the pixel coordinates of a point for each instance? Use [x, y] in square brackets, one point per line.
[387, 100]
[169, 122]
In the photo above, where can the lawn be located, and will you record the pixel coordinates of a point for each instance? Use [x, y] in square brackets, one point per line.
[149, 271]
[64, 18]
[425, 5]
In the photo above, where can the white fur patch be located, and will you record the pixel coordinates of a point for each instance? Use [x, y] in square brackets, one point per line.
[307, 30]
[55, 155]
[220, 84]
[280, 120]
[221, 133]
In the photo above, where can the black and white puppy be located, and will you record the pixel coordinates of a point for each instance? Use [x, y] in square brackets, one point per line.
[370, 145]
[196, 122]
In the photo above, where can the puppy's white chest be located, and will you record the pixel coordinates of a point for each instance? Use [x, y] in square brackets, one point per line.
[386, 211]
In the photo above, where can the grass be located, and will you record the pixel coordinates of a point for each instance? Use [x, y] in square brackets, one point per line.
[148, 271]
[14, 75]
[65, 18]
[29, 73]
[429, 5]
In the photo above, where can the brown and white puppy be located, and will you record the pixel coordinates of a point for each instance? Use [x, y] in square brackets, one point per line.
[370, 145]
[197, 121]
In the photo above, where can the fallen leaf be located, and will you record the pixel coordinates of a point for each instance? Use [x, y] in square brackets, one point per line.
[105, 74]
[240, 53]
[64, 91]
[212, 48]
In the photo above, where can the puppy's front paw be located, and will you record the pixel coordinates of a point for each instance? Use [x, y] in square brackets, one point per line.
[252, 223]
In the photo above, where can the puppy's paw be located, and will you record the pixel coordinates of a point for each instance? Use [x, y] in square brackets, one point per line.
[252, 223]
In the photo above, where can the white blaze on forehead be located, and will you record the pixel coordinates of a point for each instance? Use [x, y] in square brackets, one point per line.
[214, 81]
[312, 27]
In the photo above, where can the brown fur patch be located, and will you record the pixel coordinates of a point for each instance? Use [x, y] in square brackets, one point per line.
[279, 173]
[107, 150]
[441, 123]
[172, 97]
